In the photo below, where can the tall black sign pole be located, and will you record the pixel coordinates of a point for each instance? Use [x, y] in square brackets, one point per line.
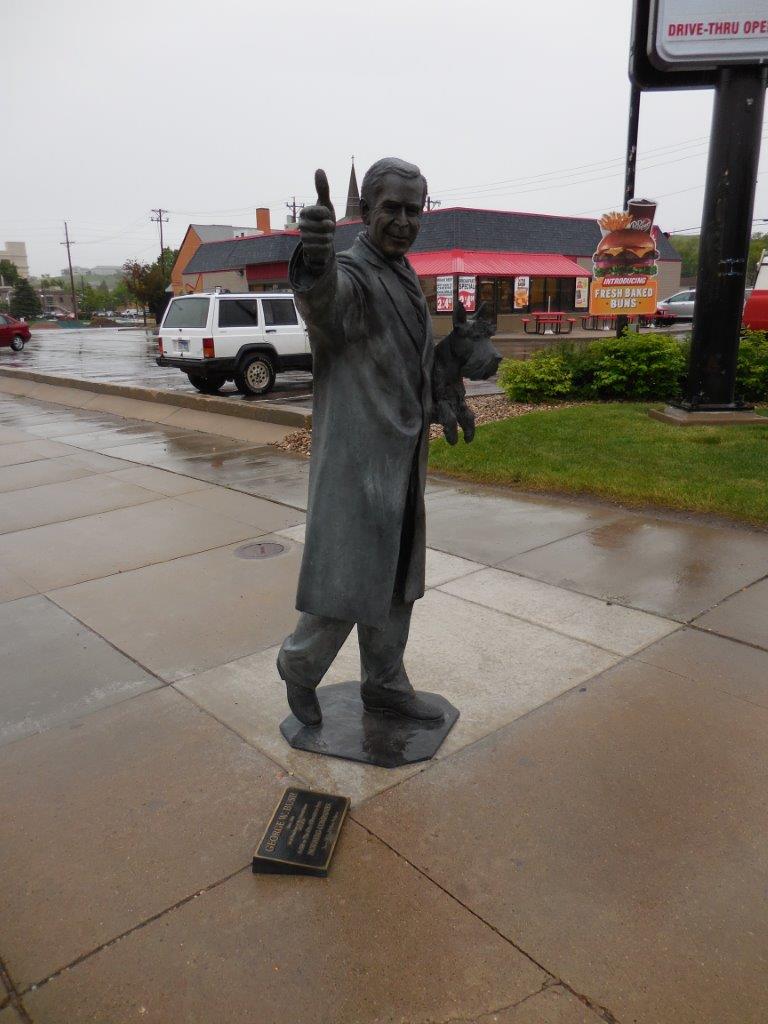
[622, 322]
[633, 125]
[726, 227]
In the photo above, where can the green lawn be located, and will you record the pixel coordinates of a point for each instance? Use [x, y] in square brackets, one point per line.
[617, 451]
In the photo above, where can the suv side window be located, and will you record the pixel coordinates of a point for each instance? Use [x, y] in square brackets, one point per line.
[3, 321]
[278, 312]
[238, 313]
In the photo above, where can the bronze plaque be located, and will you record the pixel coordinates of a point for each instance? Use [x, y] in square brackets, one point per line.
[301, 835]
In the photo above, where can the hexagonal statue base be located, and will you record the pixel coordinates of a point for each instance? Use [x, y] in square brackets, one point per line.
[350, 732]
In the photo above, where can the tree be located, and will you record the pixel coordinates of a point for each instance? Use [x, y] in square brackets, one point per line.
[688, 248]
[88, 301]
[756, 245]
[25, 300]
[120, 295]
[147, 282]
[51, 282]
[9, 272]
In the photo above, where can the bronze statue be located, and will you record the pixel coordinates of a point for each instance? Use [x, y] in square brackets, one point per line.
[373, 358]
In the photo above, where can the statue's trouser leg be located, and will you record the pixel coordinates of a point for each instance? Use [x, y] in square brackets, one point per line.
[381, 652]
[307, 654]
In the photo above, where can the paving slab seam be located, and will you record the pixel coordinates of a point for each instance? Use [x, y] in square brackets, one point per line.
[741, 590]
[707, 632]
[663, 513]
[190, 458]
[230, 728]
[602, 1011]
[252, 494]
[71, 519]
[129, 931]
[13, 998]
[585, 593]
[554, 629]
[146, 565]
[525, 551]
[161, 682]
[7, 744]
[725, 636]
[474, 1019]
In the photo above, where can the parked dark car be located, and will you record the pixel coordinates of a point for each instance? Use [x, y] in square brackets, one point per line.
[13, 332]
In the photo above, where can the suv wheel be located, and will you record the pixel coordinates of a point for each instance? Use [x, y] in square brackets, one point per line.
[207, 385]
[17, 343]
[256, 376]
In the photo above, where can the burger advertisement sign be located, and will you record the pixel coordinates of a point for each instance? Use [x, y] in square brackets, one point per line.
[624, 263]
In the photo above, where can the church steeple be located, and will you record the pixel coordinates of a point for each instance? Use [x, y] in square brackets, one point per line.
[353, 196]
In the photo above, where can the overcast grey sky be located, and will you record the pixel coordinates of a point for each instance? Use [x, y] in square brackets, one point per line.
[212, 109]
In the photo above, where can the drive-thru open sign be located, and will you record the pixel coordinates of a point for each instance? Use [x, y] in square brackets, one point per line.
[708, 33]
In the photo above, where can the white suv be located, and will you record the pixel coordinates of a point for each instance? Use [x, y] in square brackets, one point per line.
[218, 336]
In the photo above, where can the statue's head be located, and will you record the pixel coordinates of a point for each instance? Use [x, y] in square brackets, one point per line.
[392, 198]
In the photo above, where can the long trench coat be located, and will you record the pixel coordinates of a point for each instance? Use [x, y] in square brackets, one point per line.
[372, 367]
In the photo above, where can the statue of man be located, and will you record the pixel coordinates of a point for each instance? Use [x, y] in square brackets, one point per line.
[372, 350]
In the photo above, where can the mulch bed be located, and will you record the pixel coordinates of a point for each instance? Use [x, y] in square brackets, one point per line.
[487, 409]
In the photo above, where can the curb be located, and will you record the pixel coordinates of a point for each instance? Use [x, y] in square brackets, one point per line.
[265, 412]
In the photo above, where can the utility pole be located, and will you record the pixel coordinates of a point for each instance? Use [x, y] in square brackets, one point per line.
[432, 204]
[71, 275]
[160, 219]
[293, 207]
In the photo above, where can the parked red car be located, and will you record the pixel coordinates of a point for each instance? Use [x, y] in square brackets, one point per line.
[13, 332]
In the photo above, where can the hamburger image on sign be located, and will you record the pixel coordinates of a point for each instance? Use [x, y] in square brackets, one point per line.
[627, 248]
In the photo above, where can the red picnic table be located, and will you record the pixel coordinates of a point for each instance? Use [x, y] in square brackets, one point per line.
[549, 323]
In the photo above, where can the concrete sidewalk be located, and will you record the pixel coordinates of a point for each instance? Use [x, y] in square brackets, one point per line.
[589, 844]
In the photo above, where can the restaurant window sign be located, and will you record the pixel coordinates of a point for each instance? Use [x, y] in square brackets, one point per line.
[582, 293]
[522, 288]
[624, 264]
[468, 292]
[445, 294]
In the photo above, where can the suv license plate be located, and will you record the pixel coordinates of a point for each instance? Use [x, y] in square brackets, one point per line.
[183, 345]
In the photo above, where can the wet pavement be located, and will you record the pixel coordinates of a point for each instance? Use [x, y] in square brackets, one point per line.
[127, 356]
[588, 844]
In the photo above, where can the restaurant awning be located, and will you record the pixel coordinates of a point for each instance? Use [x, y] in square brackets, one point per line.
[494, 264]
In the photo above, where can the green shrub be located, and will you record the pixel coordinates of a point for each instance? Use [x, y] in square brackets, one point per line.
[752, 367]
[636, 366]
[579, 361]
[541, 378]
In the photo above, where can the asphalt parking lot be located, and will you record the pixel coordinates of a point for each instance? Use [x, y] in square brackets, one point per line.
[127, 356]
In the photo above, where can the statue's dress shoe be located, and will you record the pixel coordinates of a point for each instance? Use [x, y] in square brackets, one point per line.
[302, 700]
[409, 704]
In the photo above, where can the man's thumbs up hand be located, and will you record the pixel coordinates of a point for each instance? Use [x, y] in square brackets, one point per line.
[317, 225]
